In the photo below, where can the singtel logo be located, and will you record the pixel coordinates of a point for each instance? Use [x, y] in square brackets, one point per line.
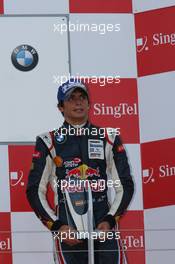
[5, 244]
[133, 242]
[163, 171]
[117, 111]
[158, 39]
[166, 171]
[162, 39]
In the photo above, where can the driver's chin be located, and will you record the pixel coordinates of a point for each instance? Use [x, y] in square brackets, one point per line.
[81, 116]
[78, 113]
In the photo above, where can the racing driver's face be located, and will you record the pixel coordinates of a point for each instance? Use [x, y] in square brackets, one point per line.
[76, 108]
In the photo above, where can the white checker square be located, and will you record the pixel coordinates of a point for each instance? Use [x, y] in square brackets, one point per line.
[31, 95]
[156, 95]
[145, 5]
[36, 7]
[4, 180]
[160, 235]
[31, 239]
[97, 54]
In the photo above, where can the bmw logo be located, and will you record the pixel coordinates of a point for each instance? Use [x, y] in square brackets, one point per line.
[60, 138]
[24, 58]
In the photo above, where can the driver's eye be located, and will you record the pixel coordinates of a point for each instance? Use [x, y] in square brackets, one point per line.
[74, 98]
[82, 97]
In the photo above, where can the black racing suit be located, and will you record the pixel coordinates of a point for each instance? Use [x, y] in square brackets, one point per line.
[86, 154]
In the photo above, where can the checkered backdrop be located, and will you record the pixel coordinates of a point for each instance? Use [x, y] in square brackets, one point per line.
[142, 53]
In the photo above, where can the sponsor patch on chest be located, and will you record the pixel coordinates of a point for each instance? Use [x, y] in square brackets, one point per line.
[95, 149]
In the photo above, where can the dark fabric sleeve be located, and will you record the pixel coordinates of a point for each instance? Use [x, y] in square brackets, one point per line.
[123, 170]
[37, 185]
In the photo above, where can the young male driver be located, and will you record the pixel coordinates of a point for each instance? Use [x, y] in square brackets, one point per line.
[59, 156]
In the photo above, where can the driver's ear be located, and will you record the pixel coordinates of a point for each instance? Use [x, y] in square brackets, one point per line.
[61, 108]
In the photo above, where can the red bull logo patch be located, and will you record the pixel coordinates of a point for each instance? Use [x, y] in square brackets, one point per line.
[83, 172]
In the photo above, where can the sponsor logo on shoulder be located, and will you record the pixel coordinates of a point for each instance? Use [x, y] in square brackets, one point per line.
[36, 154]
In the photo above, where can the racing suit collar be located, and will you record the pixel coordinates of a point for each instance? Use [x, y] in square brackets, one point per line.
[67, 125]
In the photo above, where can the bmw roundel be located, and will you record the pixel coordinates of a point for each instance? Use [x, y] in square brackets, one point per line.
[24, 57]
[60, 138]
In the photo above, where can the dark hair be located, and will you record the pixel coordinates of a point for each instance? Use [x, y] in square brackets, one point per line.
[60, 104]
